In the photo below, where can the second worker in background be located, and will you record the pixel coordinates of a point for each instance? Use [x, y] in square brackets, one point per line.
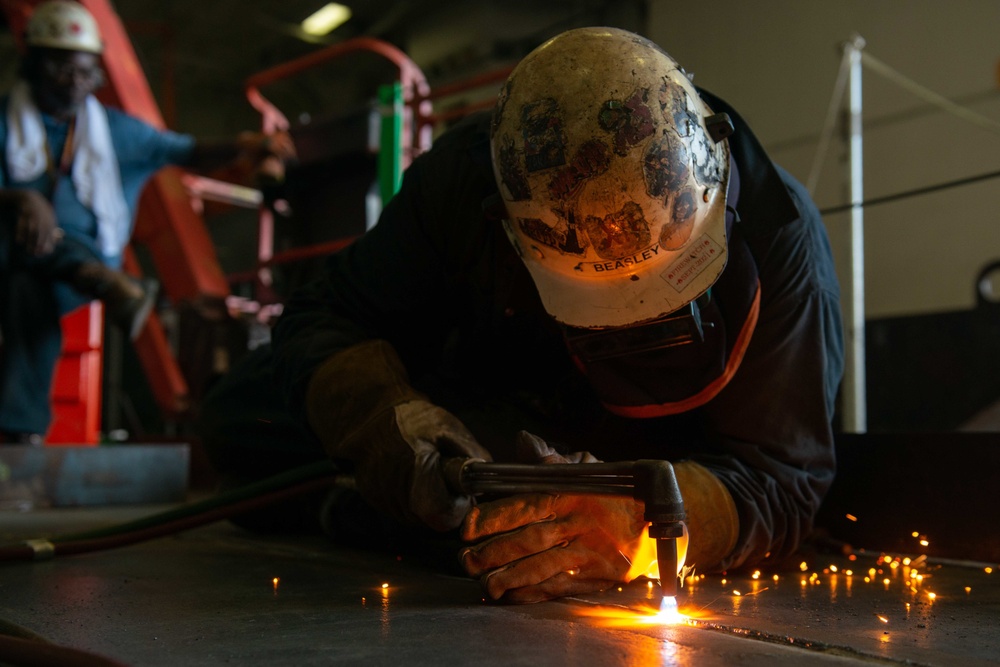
[71, 175]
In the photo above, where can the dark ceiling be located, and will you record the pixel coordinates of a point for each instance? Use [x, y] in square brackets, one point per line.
[197, 54]
[193, 50]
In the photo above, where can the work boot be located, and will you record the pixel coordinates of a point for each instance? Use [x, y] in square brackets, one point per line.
[128, 301]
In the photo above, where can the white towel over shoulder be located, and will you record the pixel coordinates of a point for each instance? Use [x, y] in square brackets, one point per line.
[95, 173]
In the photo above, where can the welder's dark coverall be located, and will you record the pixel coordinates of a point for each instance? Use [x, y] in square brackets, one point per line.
[438, 279]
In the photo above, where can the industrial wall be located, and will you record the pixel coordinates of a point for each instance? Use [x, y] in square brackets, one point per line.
[930, 116]
[779, 65]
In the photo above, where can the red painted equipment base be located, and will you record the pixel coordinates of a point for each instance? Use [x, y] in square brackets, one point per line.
[76, 390]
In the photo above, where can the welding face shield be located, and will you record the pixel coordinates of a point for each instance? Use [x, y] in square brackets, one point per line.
[613, 174]
[683, 327]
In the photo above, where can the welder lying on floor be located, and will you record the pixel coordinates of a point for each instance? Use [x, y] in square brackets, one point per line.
[601, 267]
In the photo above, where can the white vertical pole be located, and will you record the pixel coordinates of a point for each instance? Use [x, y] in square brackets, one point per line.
[854, 394]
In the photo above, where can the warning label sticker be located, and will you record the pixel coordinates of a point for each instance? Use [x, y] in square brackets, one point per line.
[696, 258]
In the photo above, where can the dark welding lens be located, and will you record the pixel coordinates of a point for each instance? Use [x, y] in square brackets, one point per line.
[682, 327]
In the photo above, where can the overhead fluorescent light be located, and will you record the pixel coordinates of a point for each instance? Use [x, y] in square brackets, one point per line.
[326, 18]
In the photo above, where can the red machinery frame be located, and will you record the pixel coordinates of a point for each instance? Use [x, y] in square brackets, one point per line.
[176, 236]
[169, 227]
[416, 137]
[417, 128]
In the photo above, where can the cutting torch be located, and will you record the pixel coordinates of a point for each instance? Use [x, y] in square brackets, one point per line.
[650, 481]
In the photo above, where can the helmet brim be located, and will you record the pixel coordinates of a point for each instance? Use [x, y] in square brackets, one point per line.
[626, 299]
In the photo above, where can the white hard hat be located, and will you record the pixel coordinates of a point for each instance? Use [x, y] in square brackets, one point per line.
[613, 175]
[63, 24]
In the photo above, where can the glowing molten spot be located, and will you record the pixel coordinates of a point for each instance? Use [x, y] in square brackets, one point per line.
[643, 563]
[628, 617]
[669, 614]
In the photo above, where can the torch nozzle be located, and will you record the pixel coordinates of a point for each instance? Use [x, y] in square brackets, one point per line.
[666, 560]
[664, 509]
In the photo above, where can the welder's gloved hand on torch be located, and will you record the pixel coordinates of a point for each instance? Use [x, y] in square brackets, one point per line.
[361, 406]
[539, 546]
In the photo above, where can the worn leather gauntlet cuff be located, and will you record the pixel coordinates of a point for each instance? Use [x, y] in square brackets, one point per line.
[350, 389]
[713, 521]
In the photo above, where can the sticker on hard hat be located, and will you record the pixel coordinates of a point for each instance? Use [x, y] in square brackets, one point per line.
[630, 122]
[544, 144]
[696, 258]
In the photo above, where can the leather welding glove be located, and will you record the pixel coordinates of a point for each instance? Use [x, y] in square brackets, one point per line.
[536, 547]
[539, 546]
[360, 404]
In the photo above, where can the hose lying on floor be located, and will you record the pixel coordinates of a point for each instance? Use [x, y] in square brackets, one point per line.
[297, 481]
[23, 648]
